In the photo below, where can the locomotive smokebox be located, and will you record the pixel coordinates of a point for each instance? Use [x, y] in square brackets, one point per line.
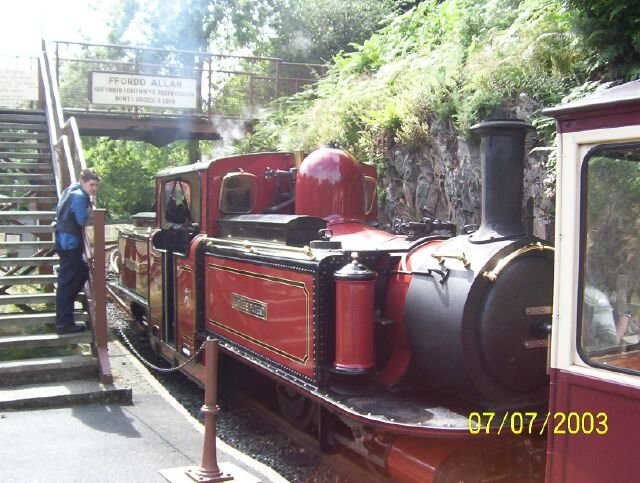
[476, 302]
[502, 163]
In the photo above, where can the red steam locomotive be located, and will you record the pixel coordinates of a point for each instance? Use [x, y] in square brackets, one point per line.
[425, 352]
[397, 337]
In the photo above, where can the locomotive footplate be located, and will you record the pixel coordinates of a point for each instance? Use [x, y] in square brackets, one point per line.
[398, 410]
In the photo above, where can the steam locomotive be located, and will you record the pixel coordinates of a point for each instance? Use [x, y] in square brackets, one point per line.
[388, 342]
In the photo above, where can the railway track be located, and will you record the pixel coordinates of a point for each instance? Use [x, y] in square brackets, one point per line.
[340, 466]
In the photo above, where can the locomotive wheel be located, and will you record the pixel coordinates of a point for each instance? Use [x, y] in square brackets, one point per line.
[295, 408]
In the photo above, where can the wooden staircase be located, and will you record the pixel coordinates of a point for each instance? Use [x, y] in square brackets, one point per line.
[34, 360]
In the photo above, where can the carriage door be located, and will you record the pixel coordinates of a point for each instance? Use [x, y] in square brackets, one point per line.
[179, 216]
[593, 426]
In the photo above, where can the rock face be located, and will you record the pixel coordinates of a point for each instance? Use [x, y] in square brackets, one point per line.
[442, 180]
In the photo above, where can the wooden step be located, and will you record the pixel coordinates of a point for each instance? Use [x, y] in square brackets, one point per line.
[45, 340]
[35, 111]
[27, 244]
[29, 298]
[13, 280]
[27, 166]
[43, 214]
[22, 176]
[48, 369]
[20, 118]
[28, 136]
[29, 199]
[17, 229]
[15, 155]
[27, 262]
[68, 393]
[36, 318]
[4, 126]
[23, 145]
[28, 187]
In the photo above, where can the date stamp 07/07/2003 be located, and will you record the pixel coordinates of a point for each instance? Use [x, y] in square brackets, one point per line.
[532, 422]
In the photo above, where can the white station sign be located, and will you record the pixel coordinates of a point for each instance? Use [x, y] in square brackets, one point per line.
[142, 90]
[18, 85]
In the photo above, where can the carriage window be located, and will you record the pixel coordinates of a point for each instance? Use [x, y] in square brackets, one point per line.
[177, 202]
[609, 299]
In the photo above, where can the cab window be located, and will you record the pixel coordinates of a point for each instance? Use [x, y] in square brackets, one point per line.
[177, 202]
[238, 193]
[609, 293]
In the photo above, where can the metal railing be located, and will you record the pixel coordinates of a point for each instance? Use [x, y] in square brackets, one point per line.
[68, 161]
[226, 85]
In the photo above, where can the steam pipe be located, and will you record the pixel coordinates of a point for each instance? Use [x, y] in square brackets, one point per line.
[502, 164]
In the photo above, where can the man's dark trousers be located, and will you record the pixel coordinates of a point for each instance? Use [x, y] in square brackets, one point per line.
[72, 274]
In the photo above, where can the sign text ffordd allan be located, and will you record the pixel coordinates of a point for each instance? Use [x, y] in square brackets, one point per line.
[142, 90]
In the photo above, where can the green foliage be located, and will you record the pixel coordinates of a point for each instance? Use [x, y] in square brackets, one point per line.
[455, 61]
[295, 30]
[185, 25]
[128, 169]
[612, 29]
[315, 31]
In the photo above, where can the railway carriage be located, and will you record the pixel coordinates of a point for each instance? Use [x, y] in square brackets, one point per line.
[425, 352]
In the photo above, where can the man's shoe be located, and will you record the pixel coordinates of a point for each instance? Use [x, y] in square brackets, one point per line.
[70, 329]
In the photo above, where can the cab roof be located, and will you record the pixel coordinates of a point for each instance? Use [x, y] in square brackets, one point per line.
[621, 95]
[610, 108]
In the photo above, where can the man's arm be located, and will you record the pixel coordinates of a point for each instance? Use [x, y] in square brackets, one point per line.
[79, 204]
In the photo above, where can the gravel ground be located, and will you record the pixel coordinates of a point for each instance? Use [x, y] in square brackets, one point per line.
[237, 426]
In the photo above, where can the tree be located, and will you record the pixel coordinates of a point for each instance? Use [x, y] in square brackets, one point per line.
[316, 31]
[128, 170]
[296, 30]
[197, 25]
[612, 29]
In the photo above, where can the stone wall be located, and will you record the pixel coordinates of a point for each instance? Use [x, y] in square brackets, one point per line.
[442, 180]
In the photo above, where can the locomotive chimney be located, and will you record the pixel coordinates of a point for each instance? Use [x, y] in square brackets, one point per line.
[502, 162]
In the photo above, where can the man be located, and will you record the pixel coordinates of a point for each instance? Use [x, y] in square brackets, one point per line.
[71, 217]
[601, 330]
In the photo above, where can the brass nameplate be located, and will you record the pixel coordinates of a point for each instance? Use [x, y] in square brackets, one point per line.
[249, 306]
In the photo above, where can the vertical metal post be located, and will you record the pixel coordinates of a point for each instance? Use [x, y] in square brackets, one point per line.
[277, 88]
[198, 66]
[209, 470]
[251, 107]
[209, 89]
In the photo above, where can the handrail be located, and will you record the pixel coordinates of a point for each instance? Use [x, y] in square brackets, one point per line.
[177, 51]
[46, 79]
[68, 161]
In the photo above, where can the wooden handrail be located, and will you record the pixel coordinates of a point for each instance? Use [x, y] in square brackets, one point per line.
[46, 80]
